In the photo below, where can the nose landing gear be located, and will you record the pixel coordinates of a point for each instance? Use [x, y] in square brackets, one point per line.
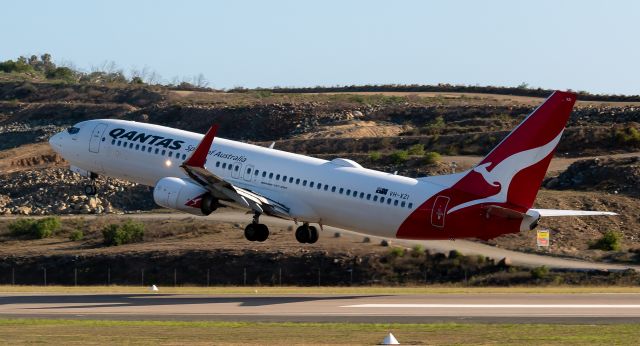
[91, 189]
[307, 234]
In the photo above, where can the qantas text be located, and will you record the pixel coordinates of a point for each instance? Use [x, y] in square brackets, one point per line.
[142, 137]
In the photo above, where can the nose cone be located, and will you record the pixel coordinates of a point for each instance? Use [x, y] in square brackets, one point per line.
[56, 142]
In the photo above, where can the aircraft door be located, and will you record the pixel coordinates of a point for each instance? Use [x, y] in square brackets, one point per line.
[248, 171]
[439, 211]
[237, 171]
[96, 137]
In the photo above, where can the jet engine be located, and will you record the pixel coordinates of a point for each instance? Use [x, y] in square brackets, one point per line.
[184, 195]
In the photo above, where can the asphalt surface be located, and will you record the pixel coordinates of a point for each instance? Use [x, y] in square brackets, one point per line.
[485, 308]
[464, 246]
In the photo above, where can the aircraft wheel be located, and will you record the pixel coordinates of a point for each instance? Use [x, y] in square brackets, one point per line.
[90, 190]
[263, 232]
[302, 234]
[251, 232]
[313, 235]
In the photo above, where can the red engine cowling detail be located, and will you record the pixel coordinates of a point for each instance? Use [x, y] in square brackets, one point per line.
[183, 195]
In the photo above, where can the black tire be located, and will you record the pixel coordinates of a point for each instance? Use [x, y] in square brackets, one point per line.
[313, 235]
[302, 234]
[251, 232]
[263, 232]
[90, 190]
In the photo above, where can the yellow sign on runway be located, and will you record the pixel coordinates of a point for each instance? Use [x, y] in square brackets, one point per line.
[543, 237]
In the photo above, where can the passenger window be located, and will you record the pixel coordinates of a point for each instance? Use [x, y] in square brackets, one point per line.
[157, 151]
[284, 178]
[137, 146]
[170, 153]
[270, 175]
[348, 192]
[264, 174]
[326, 187]
[368, 196]
[290, 180]
[333, 189]
[395, 202]
[144, 148]
[319, 186]
[410, 205]
[298, 181]
[311, 184]
[237, 168]
[150, 148]
[277, 176]
[113, 142]
[217, 163]
[224, 165]
[230, 167]
[164, 152]
[256, 172]
[381, 199]
[184, 156]
[355, 193]
[130, 145]
[119, 143]
[361, 194]
[375, 198]
[402, 204]
[389, 201]
[341, 190]
[304, 183]
[248, 170]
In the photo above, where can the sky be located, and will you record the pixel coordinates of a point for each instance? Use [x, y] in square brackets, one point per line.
[581, 45]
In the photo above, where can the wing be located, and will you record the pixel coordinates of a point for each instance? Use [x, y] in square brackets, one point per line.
[194, 166]
[559, 212]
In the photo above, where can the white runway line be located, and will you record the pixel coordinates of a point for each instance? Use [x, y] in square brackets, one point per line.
[498, 306]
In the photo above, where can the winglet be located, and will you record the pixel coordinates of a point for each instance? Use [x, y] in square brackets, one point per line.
[199, 156]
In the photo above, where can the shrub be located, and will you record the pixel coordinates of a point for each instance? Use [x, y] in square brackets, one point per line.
[64, 73]
[375, 156]
[432, 157]
[39, 229]
[539, 272]
[610, 241]
[629, 135]
[416, 149]
[129, 232]
[396, 252]
[400, 156]
[76, 235]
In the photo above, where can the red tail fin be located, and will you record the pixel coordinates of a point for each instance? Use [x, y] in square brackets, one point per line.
[518, 164]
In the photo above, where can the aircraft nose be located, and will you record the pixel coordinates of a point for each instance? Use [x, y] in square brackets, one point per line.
[56, 142]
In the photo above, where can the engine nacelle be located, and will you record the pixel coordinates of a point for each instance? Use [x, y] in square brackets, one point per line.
[184, 195]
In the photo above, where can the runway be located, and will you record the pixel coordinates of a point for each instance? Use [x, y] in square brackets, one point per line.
[430, 308]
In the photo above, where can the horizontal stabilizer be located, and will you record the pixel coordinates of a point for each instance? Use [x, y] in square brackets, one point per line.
[560, 212]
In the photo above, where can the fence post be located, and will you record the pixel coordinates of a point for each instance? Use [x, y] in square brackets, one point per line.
[108, 276]
[13, 275]
[45, 276]
[245, 276]
[75, 276]
[208, 277]
[318, 277]
[142, 279]
[280, 276]
[175, 277]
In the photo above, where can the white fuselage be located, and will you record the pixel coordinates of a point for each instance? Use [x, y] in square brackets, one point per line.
[338, 193]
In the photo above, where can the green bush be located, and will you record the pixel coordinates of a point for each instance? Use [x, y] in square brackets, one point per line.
[15, 66]
[629, 135]
[539, 272]
[76, 235]
[610, 241]
[64, 73]
[416, 149]
[39, 229]
[375, 156]
[432, 157]
[129, 232]
[396, 252]
[400, 156]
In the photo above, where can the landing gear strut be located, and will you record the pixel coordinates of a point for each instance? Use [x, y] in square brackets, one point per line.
[91, 189]
[307, 234]
[256, 231]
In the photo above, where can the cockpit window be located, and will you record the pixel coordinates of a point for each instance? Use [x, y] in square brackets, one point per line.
[73, 130]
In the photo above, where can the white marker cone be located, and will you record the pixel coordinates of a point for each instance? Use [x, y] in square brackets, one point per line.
[153, 288]
[390, 340]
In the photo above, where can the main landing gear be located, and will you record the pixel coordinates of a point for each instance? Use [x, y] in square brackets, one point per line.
[307, 234]
[91, 189]
[256, 231]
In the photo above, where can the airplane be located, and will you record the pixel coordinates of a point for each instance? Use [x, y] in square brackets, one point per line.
[198, 174]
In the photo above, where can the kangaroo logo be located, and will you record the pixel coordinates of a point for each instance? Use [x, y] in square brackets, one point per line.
[502, 174]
